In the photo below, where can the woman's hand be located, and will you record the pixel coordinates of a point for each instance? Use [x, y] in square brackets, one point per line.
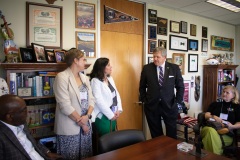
[117, 114]
[218, 119]
[85, 129]
[83, 120]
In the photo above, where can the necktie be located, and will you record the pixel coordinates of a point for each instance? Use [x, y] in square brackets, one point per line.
[160, 76]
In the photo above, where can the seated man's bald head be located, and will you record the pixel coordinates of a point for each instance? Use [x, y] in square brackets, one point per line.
[11, 104]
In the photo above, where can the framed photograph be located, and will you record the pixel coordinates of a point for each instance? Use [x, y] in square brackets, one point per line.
[39, 52]
[50, 55]
[193, 45]
[204, 45]
[60, 56]
[169, 60]
[192, 62]
[150, 60]
[24, 91]
[152, 32]
[151, 46]
[162, 43]
[222, 43]
[179, 59]
[44, 25]
[162, 25]
[27, 55]
[174, 26]
[85, 15]
[152, 16]
[183, 27]
[178, 43]
[193, 29]
[86, 42]
[204, 32]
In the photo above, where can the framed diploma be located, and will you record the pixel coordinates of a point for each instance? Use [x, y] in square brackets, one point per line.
[174, 26]
[183, 27]
[152, 16]
[44, 25]
[162, 25]
[193, 30]
[151, 46]
[204, 45]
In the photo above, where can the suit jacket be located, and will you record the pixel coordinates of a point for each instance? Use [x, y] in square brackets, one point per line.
[151, 93]
[11, 148]
[68, 100]
[103, 98]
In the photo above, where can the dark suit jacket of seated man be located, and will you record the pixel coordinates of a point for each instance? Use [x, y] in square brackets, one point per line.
[13, 117]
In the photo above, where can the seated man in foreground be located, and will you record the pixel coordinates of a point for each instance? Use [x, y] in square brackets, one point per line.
[15, 139]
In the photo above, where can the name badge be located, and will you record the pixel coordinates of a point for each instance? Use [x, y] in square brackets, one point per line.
[223, 116]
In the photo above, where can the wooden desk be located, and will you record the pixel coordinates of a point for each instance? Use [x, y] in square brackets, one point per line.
[155, 149]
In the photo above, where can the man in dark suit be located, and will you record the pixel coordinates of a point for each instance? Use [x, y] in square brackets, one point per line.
[158, 95]
[16, 143]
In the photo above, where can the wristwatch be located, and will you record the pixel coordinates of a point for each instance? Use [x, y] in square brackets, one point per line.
[89, 116]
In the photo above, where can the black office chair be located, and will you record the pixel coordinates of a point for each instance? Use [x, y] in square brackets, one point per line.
[119, 139]
[228, 151]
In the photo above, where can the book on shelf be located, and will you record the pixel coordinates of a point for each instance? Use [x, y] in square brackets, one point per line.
[40, 85]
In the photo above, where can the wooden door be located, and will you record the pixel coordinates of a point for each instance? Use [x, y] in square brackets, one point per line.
[122, 43]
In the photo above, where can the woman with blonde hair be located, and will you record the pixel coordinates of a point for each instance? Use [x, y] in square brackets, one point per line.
[74, 107]
[226, 111]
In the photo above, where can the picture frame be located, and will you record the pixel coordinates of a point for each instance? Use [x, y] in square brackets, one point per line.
[151, 46]
[59, 56]
[192, 62]
[86, 42]
[150, 60]
[50, 55]
[193, 30]
[24, 91]
[192, 44]
[222, 43]
[174, 27]
[204, 45]
[178, 43]
[27, 55]
[204, 32]
[162, 26]
[183, 27]
[44, 25]
[179, 59]
[169, 60]
[152, 16]
[162, 43]
[39, 52]
[152, 32]
[85, 15]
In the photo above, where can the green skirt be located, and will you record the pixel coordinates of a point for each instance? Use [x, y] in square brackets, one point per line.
[104, 125]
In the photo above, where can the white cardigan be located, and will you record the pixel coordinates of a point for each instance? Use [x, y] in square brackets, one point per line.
[68, 100]
[103, 98]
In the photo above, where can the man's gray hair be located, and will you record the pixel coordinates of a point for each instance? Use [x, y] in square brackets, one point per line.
[162, 50]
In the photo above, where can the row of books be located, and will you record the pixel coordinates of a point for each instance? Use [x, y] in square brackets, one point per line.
[225, 75]
[40, 114]
[29, 84]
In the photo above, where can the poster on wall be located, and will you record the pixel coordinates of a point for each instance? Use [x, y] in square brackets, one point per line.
[222, 43]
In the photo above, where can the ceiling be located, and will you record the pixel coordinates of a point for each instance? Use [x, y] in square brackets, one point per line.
[200, 8]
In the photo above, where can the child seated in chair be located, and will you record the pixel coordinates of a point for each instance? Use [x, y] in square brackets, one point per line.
[226, 111]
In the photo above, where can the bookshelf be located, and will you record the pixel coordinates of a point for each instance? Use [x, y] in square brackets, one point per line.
[215, 77]
[41, 108]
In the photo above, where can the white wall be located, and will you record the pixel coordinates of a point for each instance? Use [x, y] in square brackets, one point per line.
[15, 13]
[214, 28]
